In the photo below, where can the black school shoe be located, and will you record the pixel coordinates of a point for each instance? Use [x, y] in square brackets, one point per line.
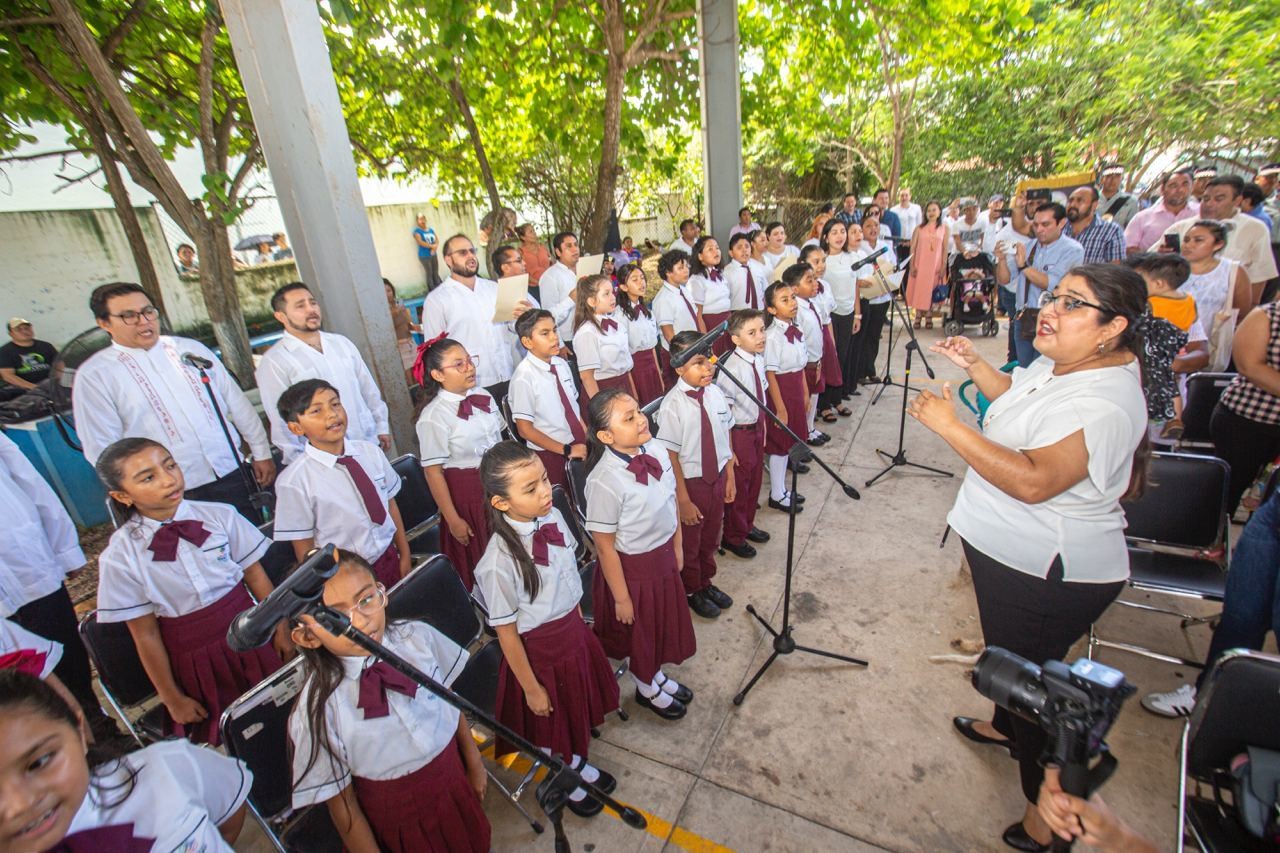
[781, 507]
[605, 783]
[674, 711]
[802, 468]
[744, 550]
[683, 694]
[758, 536]
[587, 807]
[1016, 837]
[718, 597]
[703, 606]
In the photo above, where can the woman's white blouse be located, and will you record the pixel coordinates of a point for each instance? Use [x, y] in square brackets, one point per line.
[1085, 524]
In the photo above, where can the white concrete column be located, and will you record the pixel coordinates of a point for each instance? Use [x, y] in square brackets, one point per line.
[721, 114]
[280, 49]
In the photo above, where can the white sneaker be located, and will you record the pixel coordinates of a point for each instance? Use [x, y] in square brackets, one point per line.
[1175, 703]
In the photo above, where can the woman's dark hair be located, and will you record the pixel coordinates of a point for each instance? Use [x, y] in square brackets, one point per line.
[826, 233]
[696, 266]
[495, 475]
[629, 308]
[670, 259]
[925, 213]
[1215, 230]
[1121, 292]
[386, 282]
[768, 229]
[108, 469]
[599, 413]
[770, 294]
[588, 287]
[431, 357]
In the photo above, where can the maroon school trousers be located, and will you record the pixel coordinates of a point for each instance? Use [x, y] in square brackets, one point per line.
[702, 540]
[748, 447]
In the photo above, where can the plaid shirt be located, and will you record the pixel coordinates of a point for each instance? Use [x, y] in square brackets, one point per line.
[1103, 241]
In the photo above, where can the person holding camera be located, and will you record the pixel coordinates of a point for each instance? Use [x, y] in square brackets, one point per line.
[1063, 442]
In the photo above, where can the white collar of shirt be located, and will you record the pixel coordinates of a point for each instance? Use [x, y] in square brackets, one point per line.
[673, 288]
[526, 528]
[749, 357]
[151, 525]
[291, 341]
[325, 458]
[544, 366]
[684, 386]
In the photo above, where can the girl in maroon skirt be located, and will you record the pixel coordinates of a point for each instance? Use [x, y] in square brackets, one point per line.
[395, 764]
[785, 357]
[458, 423]
[555, 683]
[600, 341]
[640, 606]
[176, 573]
[710, 289]
[829, 401]
[642, 333]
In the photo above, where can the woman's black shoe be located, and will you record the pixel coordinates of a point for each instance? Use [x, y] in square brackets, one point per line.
[605, 783]
[781, 507]
[758, 536]
[587, 807]
[964, 725]
[1017, 838]
[674, 711]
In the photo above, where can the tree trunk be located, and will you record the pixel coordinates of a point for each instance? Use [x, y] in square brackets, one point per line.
[221, 299]
[473, 132]
[592, 238]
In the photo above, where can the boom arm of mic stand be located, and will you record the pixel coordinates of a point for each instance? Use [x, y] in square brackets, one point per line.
[848, 489]
[339, 624]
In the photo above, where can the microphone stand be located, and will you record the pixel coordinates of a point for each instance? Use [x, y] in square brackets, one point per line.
[552, 793]
[783, 643]
[259, 498]
[887, 379]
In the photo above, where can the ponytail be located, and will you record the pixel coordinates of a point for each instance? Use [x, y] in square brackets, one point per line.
[599, 414]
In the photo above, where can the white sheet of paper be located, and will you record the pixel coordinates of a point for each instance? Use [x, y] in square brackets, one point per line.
[511, 290]
[590, 265]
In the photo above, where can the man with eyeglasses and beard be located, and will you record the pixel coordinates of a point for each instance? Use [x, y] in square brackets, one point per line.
[140, 386]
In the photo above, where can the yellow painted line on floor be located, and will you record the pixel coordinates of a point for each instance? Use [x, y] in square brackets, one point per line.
[655, 826]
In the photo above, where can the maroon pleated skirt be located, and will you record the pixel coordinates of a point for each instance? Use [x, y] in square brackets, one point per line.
[554, 463]
[662, 631]
[621, 382]
[434, 809]
[386, 569]
[664, 366]
[647, 376]
[206, 668]
[467, 495]
[569, 663]
[724, 343]
[831, 360]
[813, 378]
[791, 387]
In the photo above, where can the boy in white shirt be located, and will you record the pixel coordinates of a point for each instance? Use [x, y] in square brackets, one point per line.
[543, 399]
[746, 363]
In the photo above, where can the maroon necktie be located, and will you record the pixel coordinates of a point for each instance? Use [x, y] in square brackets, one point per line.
[710, 470]
[546, 535]
[755, 374]
[29, 661]
[713, 274]
[467, 405]
[642, 311]
[816, 315]
[374, 684]
[117, 839]
[752, 299]
[687, 304]
[368, 492]
[645, 466]
[794, 334]
[608, 325]
[164, 545]
[570, 415]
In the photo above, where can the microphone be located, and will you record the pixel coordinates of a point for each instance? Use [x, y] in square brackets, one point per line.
[869, 258]
[701, 346]
[196, 361]
[304, 586]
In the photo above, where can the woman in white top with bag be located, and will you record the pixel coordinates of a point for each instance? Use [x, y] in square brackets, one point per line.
[1063, 442]
[1218, 285]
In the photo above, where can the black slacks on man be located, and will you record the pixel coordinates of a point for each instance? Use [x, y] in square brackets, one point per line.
[54, 618]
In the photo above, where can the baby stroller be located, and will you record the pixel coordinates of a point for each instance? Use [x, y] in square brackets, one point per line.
[972, 301]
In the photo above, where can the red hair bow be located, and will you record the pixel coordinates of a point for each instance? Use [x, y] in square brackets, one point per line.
[419, 368]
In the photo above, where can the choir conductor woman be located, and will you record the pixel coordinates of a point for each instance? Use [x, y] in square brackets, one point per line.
[1039, 515]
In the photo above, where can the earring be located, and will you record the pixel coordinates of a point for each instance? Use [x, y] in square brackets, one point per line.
[1102, 346]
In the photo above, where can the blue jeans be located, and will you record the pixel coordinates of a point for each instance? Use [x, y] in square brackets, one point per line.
[1252, 605]
[1008, 302]
[1025, 349]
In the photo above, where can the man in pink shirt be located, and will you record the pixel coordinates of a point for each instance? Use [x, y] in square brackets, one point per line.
[1175, 205]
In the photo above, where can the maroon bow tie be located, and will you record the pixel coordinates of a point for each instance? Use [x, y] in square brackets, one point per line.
[469, 404]
[374, 684]
[164, 544]
[118, 839]
[608, 325]
[29, 661]
[547, 534]
[794, 334]
[644, 466]
[713, 274]
[641, 310]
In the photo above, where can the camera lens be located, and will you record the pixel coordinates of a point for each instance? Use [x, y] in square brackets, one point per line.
[1011, 682]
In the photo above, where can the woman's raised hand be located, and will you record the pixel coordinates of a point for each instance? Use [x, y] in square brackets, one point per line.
[959, 350]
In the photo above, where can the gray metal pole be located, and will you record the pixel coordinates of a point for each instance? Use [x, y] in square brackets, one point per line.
[719, 82]
[284, 62]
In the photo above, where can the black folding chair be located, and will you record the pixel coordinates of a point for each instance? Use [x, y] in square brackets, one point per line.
[418, 508]
[1177, 535]
[1238, 707]
[505, 408]
[650, 411]
[586, 546]
[278, 562]
[1203, 392]
[255, 729]
[123, 680]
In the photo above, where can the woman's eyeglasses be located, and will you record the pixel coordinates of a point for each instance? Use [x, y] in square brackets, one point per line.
[1064, 304]
[462, 364]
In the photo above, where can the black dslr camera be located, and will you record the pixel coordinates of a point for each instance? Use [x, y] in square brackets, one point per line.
[1076, 705]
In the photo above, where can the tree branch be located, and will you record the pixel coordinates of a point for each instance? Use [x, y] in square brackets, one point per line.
[71, 182]
[31, 20]
[20, 158]
[127, 23]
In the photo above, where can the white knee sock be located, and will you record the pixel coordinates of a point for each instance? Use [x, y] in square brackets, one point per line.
[812, 413]
[651, 691]
[585, 770]
[667, 684]
[777, 476]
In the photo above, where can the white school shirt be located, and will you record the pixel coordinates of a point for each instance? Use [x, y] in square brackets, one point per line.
[1085, 524]
[642, 332]
[448, 440]
[179, 793]
[125, 392]
[843, 281]
[784, 259]
[742, 365]
[555, 285]
[416, 730]
[292, 360]
[780, 354]
[713, 296]
[131, 583]
[607, 353]
[680, 426]
[669, 309]
[736, 275]
[824, 301]
[15, 638]
[317, 499]
[680, 244]
[641, 517]
[39, 544]
[810, 324]
[532, 397]
[502, 591]
[465, 314]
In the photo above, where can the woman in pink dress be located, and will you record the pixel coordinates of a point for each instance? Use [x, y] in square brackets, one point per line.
[928, 263]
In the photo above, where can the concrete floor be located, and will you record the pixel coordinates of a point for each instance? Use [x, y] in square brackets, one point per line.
[829, 757]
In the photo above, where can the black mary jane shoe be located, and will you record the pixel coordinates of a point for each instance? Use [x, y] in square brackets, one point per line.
[718, 597]
[605, 783]
[1016, 837]
[703, 606]
[781, 507]
[683, 694]
[674, 711]
[757, 536]
[586, 807]
[964, 725]
[744, 550]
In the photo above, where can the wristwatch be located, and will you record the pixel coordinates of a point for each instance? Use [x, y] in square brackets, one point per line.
[1022, 267]
[568, 448]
